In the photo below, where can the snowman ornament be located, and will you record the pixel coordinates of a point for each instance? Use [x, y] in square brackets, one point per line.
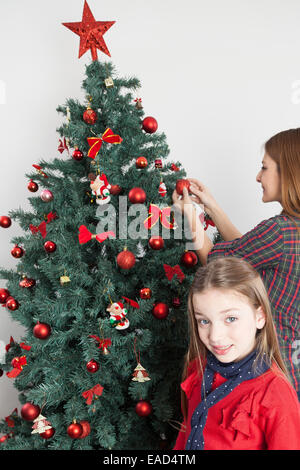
[118, 315]
[100, 188]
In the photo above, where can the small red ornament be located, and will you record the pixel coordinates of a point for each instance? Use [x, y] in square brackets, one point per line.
[29, 411]
[176, 302]
[189, 259]
[137, 196]
[5, 221]
[49, 246]
[145, 293]
[160, 310]
[90, 116]
[32, 186]
[77, 154]
[92, 366]
[143, 408]
[150, 125]
[12, 304]
[141, 162]
[42, 330]
[180, 184]
[27, 282]
[4, 295]
[17, 252]
[48, 433]
[158, 163]
[75, 430]
[126, 259]
[86, 427]
[156, 242]
[115, 189]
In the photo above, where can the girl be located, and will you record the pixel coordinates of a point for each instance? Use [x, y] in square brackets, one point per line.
[236, 394]
[273, 246]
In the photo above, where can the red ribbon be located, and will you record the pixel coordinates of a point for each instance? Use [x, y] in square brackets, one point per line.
[206, 221]
[18, 363]
[40, 170]
[85, 235]
[103, 343]
[95, 143]
[156, 213]
[174, 271]
[41, 228]
[89, 394]
[174, 167]
[12, 342]
[51, 216]
[9, 421]
[131, 302]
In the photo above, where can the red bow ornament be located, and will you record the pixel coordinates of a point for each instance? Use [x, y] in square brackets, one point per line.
[89, 394]
[174, 271]
[95, 143]
[156, 213]
[17, 363]
[85, 235]
[40, 170]
[103, 343]
[206, 221]
[41, 228]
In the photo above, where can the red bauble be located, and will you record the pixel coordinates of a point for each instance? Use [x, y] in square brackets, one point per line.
[77, 154]
[29, 411]
[189, 259]
[160, 310]
[12, 304]
[156, 242]
[5, 221]
[49, 246]
[92, 366]
[4, 294]
[32, 186]
[180, 184]
[115, 189]
[42, 330]
[75, 430]
[137, 196]
[27, 283]
[145, 293]
[17, 252]
[48, 433]
[141, 162]
[90, 116]
[86, 429]
[143, 408]
[150, 125]
[126, 259]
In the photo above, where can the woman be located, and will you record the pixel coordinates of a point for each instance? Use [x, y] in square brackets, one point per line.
[272, 247]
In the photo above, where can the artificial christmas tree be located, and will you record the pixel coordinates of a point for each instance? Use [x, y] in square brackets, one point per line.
[77, 364]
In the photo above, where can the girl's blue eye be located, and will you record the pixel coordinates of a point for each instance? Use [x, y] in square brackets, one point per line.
[203, 322]
[230, 319]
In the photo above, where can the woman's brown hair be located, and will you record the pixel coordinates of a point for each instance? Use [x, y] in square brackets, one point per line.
[284, 149]
[234, 274]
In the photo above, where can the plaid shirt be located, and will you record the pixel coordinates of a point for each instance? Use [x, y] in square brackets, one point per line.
[273, 249]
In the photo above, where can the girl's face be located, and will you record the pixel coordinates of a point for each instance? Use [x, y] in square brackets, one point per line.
[227, 323]
[269, 178]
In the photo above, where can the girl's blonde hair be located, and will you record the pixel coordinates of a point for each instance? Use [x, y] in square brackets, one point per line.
[284, 149]
[237, 275]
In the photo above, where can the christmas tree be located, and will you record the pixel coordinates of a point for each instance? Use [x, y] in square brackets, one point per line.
[101, 291]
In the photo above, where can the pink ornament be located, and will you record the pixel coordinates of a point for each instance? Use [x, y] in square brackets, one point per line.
[46, 195]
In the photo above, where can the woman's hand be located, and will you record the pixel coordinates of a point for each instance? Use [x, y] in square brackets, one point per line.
[185, 204]
[202, 196]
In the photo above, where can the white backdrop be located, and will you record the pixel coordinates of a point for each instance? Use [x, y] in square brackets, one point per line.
[220, 78]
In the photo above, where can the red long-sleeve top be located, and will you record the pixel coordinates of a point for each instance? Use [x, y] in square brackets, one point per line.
[259, 414]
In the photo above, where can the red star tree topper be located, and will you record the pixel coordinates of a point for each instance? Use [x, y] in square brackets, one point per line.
[91, 33]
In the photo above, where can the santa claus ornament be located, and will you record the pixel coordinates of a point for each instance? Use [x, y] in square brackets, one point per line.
[118, 315]
[100, 188]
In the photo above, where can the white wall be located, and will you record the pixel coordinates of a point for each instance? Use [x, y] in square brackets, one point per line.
[219, 76]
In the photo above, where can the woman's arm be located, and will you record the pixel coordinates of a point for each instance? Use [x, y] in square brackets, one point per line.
[202, 196]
